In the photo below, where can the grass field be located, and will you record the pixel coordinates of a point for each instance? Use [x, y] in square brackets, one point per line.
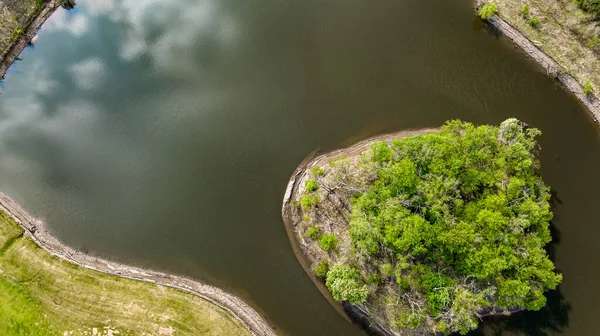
[15, 15]
[568, 34]
[41, 294]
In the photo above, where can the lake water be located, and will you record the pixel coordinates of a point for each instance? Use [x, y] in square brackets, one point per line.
[163, 132]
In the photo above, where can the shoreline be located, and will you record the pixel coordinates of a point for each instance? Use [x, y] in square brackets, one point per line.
[19, 44]
[552, 67]
[235, 306]
[356, 314]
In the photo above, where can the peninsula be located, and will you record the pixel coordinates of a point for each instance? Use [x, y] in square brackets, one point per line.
[426, 232]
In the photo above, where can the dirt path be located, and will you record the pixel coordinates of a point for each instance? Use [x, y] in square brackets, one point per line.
[255, 323]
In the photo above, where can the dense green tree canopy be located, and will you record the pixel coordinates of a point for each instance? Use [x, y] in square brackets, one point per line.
[455, 223]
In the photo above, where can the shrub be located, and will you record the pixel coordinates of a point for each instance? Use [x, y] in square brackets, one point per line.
[593, 41]
[328, 242]
[534, 22]
[588, 89]
[295, 204]
[307, 202]
[403, 285]
[312, 185]
[592, 6]
[374, 279]
[525, 11]
[488, 10]
[318, 171]
[381, 152]
[387, 270]
[345, 284]
[313, 232]
[321, 268]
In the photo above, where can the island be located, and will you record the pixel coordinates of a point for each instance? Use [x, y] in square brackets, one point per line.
[426, 232]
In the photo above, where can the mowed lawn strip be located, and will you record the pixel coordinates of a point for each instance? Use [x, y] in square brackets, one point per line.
[41, 294]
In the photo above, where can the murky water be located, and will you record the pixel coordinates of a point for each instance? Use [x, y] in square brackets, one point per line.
[163, 133]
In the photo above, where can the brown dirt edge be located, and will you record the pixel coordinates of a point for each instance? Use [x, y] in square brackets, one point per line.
[553, 68]
[8, 58]
[250, 318]
[358, 313]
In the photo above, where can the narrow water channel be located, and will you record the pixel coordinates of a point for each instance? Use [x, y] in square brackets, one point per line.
[163, 132]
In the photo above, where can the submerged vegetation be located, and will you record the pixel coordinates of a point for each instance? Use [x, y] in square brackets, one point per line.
[44, 295]
[434, 231]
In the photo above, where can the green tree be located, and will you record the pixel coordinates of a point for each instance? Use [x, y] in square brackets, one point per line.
[488, 10]
[459, 219]
[312, 185]
[381, 152]
[307, 202]
[328, 242]
[588, 89]
[321, 268]
[534, 22]
[313, 232]
[345, 284]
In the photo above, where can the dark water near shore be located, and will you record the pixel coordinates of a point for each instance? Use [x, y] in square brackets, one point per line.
[163, 133]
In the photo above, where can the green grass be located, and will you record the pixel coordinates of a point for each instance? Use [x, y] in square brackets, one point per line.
[14, 17]
[41, 294]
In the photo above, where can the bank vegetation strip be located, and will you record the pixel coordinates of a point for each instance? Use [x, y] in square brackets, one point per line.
[69, 294]
[20, 21]
[559, 36]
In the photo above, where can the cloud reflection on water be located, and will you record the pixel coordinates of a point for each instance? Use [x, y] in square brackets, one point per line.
[52, 114]
[182, 25]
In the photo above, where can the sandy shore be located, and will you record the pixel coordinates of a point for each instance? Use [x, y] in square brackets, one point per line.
[255, 323]
[553, 68]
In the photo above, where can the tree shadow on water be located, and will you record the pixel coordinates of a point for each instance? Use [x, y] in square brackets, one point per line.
[555, 202]
[479, 24]
[554, 317]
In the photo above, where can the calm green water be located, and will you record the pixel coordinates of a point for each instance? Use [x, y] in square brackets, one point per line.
[163, 133]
